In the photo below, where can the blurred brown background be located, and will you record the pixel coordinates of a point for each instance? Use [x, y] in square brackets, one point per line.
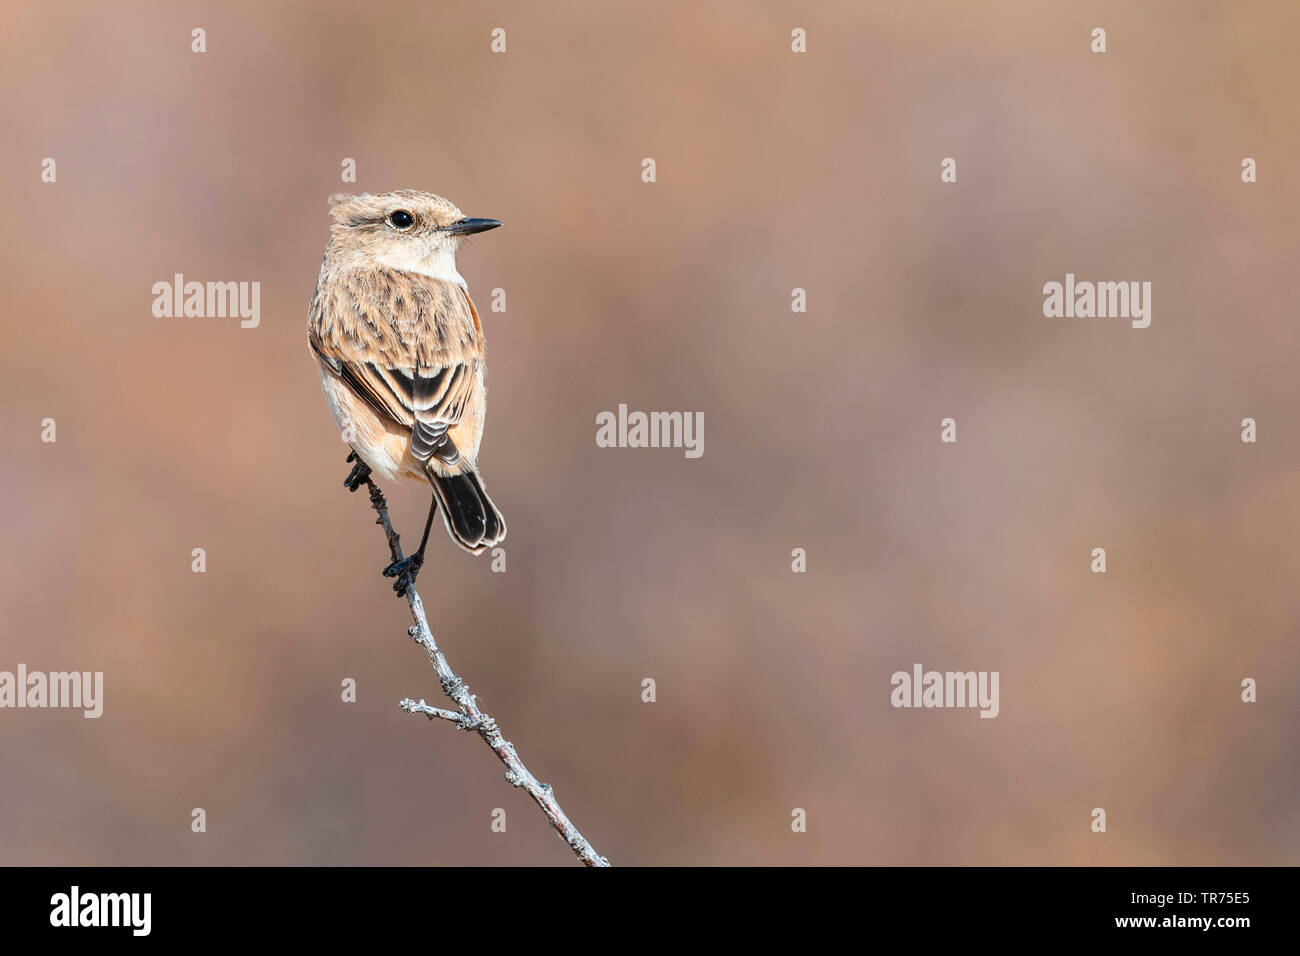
[775, 171]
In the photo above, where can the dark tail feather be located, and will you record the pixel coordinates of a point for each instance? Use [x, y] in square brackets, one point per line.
[471, 518]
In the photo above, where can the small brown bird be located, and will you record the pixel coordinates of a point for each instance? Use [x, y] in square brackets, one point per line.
[400, 350]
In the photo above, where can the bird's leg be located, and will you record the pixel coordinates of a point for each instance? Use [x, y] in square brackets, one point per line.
[406, 569]
[359, 474]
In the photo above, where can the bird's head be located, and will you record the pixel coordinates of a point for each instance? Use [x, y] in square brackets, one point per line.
[408, 230]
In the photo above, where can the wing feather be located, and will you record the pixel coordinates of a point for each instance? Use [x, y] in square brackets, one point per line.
[408, 346]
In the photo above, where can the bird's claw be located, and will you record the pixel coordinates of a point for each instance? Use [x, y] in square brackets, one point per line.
[405, 571]
[359, 474]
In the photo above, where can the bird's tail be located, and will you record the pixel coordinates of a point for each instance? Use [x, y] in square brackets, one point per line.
[471, 518]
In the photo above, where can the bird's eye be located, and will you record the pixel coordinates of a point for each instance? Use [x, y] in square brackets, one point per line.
[401, 219]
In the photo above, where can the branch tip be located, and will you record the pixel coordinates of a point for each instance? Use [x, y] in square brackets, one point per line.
[470, 717]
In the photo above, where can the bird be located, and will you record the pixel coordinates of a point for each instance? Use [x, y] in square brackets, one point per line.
[400, 350]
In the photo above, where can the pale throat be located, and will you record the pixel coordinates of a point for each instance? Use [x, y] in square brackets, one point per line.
[441, 264]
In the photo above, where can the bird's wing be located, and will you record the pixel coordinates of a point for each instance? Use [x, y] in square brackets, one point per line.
[406, 345]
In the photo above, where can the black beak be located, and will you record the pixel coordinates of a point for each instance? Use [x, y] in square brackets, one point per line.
[467, 227]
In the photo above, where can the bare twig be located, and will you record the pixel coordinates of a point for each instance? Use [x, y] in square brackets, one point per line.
[469, 716]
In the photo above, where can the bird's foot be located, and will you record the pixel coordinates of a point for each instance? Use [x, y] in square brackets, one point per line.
[359, 474]
[405, 571]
